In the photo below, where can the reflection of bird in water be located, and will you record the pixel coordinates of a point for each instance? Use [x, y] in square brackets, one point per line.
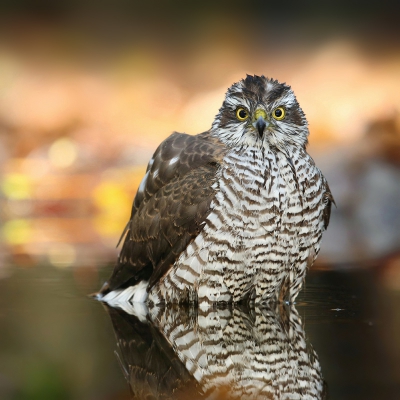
[231, 213]
[219, 354]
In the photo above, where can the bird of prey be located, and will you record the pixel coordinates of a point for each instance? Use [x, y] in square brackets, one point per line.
[235, 213]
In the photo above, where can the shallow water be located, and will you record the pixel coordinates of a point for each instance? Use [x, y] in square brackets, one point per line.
[56, 343]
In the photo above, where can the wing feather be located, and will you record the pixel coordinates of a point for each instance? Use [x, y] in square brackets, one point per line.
[328, 200]
[169, 209]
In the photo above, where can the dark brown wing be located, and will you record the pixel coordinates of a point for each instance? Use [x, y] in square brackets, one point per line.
[169, 209]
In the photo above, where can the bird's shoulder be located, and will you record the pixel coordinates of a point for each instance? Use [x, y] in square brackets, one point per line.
[177, 155]
[170, 207]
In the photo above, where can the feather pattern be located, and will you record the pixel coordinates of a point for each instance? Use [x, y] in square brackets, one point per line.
[169, 208]
[229, 353]
[232, 213]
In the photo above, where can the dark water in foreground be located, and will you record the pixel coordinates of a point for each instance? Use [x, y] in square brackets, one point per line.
[55, 343]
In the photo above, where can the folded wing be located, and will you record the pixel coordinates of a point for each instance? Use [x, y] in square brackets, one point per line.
[169, 209]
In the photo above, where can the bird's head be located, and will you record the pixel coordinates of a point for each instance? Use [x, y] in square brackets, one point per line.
[261, 112]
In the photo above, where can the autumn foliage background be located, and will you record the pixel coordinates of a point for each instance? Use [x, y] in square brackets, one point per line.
[88, 91]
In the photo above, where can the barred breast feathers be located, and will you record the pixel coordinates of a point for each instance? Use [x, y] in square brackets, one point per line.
[264, 219]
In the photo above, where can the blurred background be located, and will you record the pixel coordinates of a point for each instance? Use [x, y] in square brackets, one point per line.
[89, 89]
[88, 92]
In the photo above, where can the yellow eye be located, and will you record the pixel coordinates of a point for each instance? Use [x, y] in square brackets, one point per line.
[242, 114]
[279, 113]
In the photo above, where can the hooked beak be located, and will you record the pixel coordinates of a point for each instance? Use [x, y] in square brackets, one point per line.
[260, 125]
[260, 121]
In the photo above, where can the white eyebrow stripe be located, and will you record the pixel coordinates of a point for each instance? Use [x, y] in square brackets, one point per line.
[288, 99]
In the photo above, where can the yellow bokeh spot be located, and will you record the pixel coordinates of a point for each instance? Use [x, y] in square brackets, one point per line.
[110, 196]
[114, 205]
[108, 226]
[17, 186]
[17, 231]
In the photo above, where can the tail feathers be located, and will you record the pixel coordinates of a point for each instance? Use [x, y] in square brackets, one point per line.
[132, 299]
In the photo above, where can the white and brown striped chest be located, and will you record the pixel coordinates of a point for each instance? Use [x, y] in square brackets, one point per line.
[264, 211]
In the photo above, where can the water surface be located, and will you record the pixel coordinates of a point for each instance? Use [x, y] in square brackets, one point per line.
[56, 343]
